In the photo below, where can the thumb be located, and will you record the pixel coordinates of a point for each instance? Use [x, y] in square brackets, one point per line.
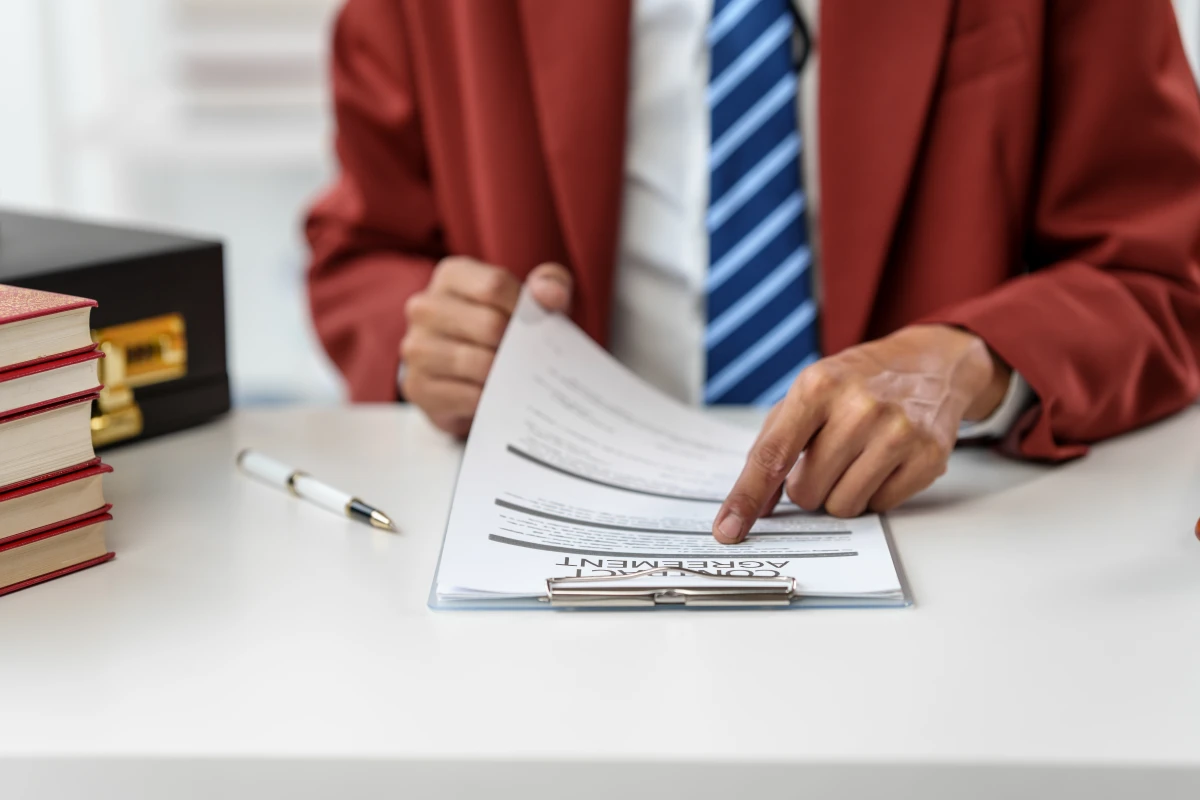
[552, 286]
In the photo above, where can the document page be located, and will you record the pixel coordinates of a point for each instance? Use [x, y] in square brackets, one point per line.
[576, 468]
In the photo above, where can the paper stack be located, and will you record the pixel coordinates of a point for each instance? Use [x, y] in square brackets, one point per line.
[583, 486]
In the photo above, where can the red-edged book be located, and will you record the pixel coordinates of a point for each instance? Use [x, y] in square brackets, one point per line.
[46, 442]
[39, 326]
[27, 388]
[39, 507]
[46, 556]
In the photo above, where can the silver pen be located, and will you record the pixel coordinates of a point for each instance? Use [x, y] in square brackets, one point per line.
[306, 487]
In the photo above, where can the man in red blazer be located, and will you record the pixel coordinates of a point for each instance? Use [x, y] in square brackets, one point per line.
[988, 211]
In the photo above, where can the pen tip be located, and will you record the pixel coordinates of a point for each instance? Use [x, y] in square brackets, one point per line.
[383, 522]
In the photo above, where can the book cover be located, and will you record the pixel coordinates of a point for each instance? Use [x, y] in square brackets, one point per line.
[58, 573]
[53, 483]
[25, 370]
[87, 462]
[18, 304]
[44, 407]
[17, 373]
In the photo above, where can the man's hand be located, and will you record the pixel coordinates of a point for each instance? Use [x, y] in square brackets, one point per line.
[454, 328]
[867, 428]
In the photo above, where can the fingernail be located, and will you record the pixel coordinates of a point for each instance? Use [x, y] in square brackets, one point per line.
[730, 528]
[551, 293]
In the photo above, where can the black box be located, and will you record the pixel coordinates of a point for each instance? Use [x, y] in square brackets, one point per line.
[161, 318]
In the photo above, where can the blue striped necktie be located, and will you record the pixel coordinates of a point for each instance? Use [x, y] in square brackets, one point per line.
[761, 312]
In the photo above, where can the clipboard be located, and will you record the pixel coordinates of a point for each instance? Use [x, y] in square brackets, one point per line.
[551, 396]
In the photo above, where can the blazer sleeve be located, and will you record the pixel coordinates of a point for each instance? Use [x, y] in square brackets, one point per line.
[374, 234]
[1106, 326]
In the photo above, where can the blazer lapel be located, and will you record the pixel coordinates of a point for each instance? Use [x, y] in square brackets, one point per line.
[578, 57]
[879, 65]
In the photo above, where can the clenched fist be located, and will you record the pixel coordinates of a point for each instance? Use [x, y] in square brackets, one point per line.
[454, 328]
[868, 427]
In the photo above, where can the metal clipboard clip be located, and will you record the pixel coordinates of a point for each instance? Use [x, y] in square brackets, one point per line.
[574, 592]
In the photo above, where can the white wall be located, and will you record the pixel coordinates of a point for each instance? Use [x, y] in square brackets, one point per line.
[203, 116]
[1188, 12]
[26, 172]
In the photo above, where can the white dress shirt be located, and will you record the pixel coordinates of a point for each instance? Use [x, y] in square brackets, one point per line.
[659, 302]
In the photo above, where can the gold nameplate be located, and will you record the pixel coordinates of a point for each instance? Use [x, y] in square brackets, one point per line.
[136, 354]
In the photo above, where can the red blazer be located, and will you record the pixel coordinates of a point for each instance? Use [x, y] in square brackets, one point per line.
[1028, 169]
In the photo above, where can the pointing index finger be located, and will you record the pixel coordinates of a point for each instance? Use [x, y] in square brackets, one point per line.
[785, 435]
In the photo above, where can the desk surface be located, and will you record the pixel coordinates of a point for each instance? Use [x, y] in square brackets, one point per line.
[1056, 636]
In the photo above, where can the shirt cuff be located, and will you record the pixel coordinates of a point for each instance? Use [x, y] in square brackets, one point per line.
[997, 425]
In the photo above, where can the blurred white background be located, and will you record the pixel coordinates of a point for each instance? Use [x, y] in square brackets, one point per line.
[203, 116]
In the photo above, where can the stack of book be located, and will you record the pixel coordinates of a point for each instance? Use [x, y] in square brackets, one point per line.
[52, 509]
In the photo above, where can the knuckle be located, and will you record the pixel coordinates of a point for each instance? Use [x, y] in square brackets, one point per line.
[414, 389]
[409, 348]
[482, 365]
[493, 327]
[898, 428]
[742, 504]
[819, 379]
[842, 507]
[459, 358]
[494, 283]
[416, 305]
[881, 503]
[470, 361]
[473, 395]
[801, 491]
[446, 422]
[445, 272]
[771, 457]
[864, 407]
[451, 264]
[935, 455]
[804, 496]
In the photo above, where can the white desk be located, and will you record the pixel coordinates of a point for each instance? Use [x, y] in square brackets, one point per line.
[244, 644]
